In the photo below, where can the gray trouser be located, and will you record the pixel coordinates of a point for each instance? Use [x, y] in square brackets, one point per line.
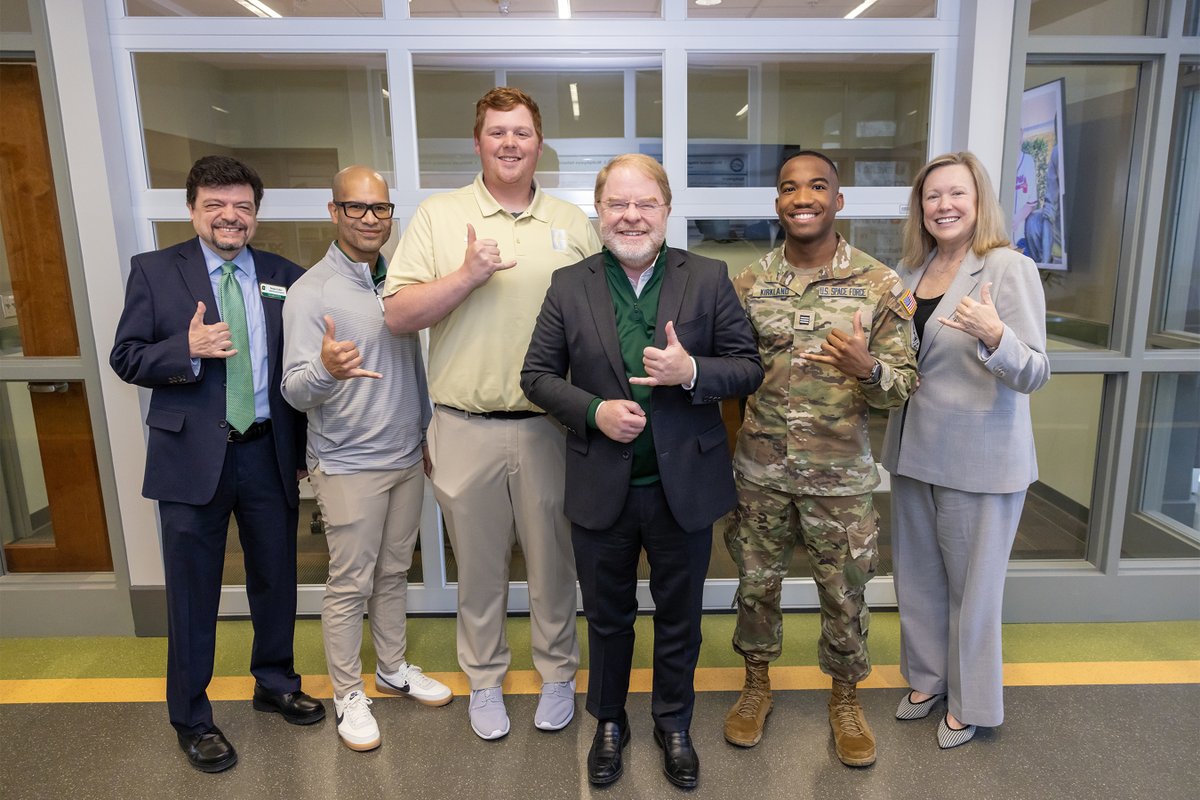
[951, 553]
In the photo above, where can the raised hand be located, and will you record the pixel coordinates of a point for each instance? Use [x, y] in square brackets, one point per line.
[846, 352]
[979, 319]
[208, 341]
[620, 420]
[482, 259]
[669, 366]
[342, 359]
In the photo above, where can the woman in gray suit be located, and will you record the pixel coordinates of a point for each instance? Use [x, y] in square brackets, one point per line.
[960, 452]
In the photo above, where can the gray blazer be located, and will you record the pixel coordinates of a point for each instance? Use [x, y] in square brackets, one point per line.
[968, 427]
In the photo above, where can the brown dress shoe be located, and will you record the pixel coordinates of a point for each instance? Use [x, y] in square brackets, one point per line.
[744, 722]
[852, 737]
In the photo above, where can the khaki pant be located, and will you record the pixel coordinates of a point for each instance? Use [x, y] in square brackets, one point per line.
[500, 481]
[371, 523]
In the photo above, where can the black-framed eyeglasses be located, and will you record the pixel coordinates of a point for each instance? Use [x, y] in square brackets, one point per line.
[355, 210]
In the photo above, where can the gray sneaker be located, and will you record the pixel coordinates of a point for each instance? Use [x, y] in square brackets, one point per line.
[489, 717]
[556, 707]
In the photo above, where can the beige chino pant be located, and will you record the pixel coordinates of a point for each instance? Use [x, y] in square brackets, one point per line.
[500, 481]
[371, 523]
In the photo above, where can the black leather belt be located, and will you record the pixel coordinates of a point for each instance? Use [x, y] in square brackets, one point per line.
[255, 431]
[492, 414]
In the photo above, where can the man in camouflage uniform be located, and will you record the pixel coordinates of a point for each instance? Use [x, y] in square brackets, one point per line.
[834, 329]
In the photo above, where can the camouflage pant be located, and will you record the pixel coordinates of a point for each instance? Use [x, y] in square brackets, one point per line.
[840, 535]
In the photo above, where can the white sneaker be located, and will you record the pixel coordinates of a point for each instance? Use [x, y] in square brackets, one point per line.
[489, 717]
[410, 681]
[355, 723]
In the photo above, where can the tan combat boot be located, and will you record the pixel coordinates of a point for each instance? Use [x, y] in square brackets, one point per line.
[852, 737]
[744, 722]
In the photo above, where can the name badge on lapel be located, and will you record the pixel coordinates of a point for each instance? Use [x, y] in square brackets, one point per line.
[558, 239]
[272, 291]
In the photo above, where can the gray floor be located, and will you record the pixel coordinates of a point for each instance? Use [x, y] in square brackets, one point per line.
[1092, 743]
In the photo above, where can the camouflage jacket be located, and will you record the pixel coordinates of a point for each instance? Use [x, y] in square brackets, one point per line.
[805, 430]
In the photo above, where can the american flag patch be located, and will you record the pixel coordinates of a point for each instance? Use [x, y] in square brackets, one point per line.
[905, 297]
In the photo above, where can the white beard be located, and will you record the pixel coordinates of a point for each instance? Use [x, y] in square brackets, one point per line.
[634, 252]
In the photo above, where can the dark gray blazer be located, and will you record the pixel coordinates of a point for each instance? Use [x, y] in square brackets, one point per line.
[575, 356]
[968, 426]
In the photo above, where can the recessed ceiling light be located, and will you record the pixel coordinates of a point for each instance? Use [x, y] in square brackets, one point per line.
[708, 2]
[258, 8]
[860, 8]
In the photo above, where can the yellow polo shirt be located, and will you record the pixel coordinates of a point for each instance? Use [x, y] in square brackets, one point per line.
[476, 351]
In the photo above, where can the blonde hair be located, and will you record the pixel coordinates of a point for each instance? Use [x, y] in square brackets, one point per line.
[991, 230]
[643, 164]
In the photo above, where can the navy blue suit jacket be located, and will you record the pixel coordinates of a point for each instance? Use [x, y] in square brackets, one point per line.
[188, 433]
[575, 356]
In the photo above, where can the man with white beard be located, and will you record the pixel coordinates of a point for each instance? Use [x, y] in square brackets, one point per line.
[652, 338]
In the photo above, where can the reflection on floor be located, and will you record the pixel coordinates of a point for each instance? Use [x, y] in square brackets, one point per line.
[1057, 742]
[1103, 710]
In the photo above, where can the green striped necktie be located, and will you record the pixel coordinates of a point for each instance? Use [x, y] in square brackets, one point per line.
[239, 379]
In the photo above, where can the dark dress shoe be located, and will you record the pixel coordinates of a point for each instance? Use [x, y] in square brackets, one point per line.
[296, 707]
[680, 762]
[209, 751]
[604, 759]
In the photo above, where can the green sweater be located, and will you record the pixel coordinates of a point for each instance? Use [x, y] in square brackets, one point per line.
[636, 321]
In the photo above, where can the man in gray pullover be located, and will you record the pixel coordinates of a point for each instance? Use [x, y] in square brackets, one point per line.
[368, 408]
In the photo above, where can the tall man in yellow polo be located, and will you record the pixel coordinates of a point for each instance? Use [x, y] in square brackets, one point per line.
[473, 267]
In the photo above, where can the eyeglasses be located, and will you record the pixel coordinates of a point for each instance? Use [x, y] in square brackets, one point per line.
[618, 207]
[359, 210]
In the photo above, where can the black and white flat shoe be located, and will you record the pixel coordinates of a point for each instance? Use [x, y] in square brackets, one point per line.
[910, 710]
[950, 737]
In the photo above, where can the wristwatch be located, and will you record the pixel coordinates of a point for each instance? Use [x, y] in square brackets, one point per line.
[876, 374]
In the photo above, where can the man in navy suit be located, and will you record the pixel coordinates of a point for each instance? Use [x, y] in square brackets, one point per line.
[632, 351]
[202, 328]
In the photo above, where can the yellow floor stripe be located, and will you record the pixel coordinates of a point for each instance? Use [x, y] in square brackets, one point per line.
[712, 679]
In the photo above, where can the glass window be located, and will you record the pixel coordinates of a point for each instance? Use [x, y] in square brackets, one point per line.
[304, 242]
[745, 111]
[36, 308]
[587, 117]
[10, 330]
[1097, 147]
[741, 242]
[786, 9]
[268, 9]
[1191, 18]
[1066, 433]
[51, 509]
[27, 506]
[531, 9]
[1177, 316]
[14, 17]
[1166, 497]
[297, 118]
[1103, 18]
